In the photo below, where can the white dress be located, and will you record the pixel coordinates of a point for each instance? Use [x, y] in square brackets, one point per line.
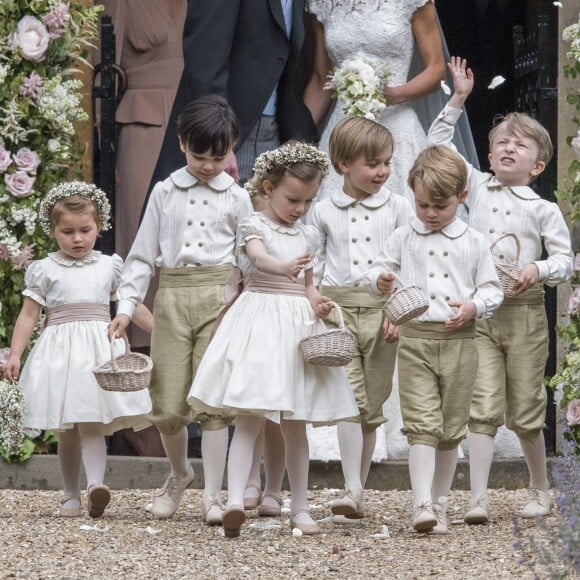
[57, 380]
[378, 31]
[254, 364]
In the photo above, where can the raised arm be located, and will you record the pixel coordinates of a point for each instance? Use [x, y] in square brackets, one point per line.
[264, 262]
[316, 97]
[428, 38]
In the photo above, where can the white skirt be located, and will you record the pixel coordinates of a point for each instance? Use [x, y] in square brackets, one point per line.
[254, 365]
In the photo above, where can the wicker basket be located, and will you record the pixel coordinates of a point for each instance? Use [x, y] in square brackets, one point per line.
[129, 372]
[330, 348]
[406, 303]
[508, 274]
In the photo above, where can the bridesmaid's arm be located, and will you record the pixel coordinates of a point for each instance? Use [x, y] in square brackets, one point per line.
[428, 38]
[316, 97]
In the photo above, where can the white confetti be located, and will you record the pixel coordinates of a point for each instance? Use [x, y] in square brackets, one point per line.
[297, 533]
[265, 525]
[445, 88]
[149, 530]
[496, 82]
[557, 4]
[384, 535]
[95, 528]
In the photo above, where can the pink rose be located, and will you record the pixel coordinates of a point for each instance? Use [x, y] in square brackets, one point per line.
[27, 160]
[5, 159]
[573, 414]
[4, 354]
[19, 183]
[32, 38]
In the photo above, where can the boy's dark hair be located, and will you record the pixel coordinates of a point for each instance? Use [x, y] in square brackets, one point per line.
[208, 124]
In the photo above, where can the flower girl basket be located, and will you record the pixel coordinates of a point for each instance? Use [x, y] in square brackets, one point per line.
[129, 372]
[508, 274]
[406, 303]
[330, 348]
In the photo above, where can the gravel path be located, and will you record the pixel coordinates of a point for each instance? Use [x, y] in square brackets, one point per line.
[128, 543]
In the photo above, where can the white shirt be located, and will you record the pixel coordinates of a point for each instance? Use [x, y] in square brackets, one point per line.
[495, 209]
[353, 233]
[187, 223]
[449, 264]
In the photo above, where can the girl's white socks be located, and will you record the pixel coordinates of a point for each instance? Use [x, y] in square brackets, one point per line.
[94, 452]
[69, 459]
[297, 462]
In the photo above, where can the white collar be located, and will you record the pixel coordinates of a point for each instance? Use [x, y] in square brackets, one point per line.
[290, 230]
[453, 230]
[521, 191]
[67, 261]
[343, 200]
[185, 180]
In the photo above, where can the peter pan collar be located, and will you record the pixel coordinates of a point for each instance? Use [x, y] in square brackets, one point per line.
[290, 230]
[374, 201]
[67, 261]
[521, 191]
[453, 230]
[185, 180]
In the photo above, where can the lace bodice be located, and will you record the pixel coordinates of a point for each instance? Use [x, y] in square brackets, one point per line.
[379, 30]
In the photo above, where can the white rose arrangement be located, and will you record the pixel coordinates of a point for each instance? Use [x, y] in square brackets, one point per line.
[358, 84]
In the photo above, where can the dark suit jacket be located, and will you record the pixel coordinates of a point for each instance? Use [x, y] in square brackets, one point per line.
[239, 49]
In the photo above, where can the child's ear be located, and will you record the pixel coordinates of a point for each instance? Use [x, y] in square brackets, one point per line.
[462, 196]
[268, 187]
[181, 146]
[538, 168]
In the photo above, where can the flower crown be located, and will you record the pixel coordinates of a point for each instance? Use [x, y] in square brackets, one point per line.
[286, 155]
[68, 189]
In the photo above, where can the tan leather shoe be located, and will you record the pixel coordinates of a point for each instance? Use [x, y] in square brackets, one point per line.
[166, 500]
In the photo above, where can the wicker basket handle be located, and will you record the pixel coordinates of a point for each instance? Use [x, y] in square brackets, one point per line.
[127, 350]
[516, 239]
[340, 318]
[400, 281]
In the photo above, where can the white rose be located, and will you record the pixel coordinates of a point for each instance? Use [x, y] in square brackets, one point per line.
[5, 159]
[27, 160]
[576, 145]
[32, 38]
[53, 145]
[19, 183]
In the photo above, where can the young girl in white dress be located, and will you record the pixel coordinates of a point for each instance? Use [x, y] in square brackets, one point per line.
[255, 350]
[75, 286]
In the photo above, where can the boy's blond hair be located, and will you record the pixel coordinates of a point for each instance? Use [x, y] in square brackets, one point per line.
[523, 124]
[441, 171]
[356, 136]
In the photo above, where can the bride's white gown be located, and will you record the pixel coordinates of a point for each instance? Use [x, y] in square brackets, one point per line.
[378, 31]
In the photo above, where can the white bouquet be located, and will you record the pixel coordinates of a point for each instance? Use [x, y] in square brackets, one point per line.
[11, 419]
[359, 85]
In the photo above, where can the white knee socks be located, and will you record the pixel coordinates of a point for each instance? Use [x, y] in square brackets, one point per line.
[535, 454]
[445, 465]
[94, 452]
[297, 462]
[176, 451]
[254, 485]
[240, 457]
[350, 442]
[214, 450]
[274, 458]
[69, 459]
[421, 470]
[481, 449]
[369, 444]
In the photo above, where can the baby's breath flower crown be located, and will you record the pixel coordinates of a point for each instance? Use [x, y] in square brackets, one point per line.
[285, 156]
[68, 189]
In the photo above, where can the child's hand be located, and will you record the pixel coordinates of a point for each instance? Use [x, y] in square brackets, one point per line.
[466, 310]
[295, 266]
[528, 277]
[462, 81]
[322, 305]
[385, 282]
[11, 369]
[390, 331]
[118, 325]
